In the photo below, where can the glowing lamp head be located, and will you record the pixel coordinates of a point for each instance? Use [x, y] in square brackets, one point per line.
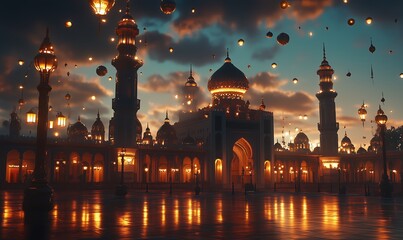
[45, 61]
[368, 20]
[101, 7]
[362, 113]
[31, 116]
[380, 117]
[61, 120]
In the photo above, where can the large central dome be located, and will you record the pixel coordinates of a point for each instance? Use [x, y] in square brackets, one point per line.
[228, 82]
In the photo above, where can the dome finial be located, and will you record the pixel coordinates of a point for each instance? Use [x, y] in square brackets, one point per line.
[227, 59]
[191, 72]
[79, 119]
[127, 7]
[324, 52]
[166, 116]
[345, 133]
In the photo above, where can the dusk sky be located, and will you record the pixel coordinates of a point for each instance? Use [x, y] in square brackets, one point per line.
[201, 39]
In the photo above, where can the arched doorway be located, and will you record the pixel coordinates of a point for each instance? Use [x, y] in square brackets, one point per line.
[242, 163]
[267, 169]
[13, 166]
[187, 169]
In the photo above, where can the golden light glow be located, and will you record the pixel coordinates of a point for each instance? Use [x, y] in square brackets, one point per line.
[68, 24]
[31, 116]
[101, 7]
[351, 21]
[171, 50]
[274, 65]
[51, 124]
[368, 20]
[90, 59]
[56, 134]
[20, 62]
[93, 98]
[401, 75]
[112, 39]
[241, 42]
[228, 90]
[61, 120]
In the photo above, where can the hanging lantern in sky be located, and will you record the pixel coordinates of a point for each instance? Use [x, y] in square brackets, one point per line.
[362, 113]
[110, 78]
[283, 38]
[269, 34]
[372, 47]
[171, 49]
[401, 75]
[368, 20]
[101, 7]
[67, 96]
[193, 10]
[295, 80]
[241, 42]
[68, 24]
[101, 71]
[20, 62]
[348, 74]
[284, 4]
[274, 65]
[168, 6]
[351, 21]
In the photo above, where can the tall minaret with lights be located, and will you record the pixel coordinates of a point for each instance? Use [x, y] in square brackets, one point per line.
[327, 126]
[125, 104]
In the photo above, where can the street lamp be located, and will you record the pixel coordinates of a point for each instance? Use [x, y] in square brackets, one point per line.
[121, 189]
[385, 185]
[38, 196]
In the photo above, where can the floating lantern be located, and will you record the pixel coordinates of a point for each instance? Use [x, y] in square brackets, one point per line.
[283, 38]
[20, 62]
[284, 4]
[351, 21]
[167, 6]
[269, 34]
[101, 71]
[368, 20]
[295, 80]
[273, 65]
[171, 50]
[241, 42]
[68, 24]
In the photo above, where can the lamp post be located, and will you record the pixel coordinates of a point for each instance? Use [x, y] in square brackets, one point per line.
[38, 196]
[385, 185]
[121, 189]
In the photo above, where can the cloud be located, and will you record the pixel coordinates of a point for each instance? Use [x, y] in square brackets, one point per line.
[267, 87]
[265, 53]
[195, 50]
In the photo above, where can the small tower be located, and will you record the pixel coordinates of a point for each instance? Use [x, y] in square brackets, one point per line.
[15, 125]
[98, 130]
[125, 104]
[327, 126]
[189, 93]
[147, 137]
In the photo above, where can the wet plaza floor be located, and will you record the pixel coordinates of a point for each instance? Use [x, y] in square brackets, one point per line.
[99, 214]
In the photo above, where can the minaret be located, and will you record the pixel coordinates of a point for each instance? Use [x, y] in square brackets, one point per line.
[189, 91]
[125, 104]
[327, 109]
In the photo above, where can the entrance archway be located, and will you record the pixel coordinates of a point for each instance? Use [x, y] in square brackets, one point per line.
[242, 162]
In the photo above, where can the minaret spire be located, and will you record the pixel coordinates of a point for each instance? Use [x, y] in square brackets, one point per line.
[327, 126]
[191, 72]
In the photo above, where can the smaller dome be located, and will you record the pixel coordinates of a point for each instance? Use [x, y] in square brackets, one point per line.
[346, 140]
[188, 140]
[97, 126]
[191, 81]
[262, 106]
[166, 135]
[361, 150]
[78, 131]
[301, 138]
[277, 147]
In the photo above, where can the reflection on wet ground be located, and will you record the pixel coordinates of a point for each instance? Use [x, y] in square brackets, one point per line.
[98, 214]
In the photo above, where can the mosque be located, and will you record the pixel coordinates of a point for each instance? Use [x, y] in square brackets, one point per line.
[225, 144]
